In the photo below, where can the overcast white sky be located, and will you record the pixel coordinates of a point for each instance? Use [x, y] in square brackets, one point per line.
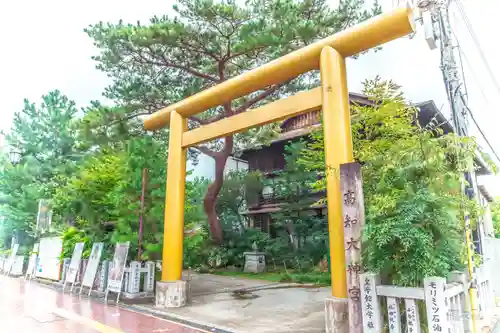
[44, 48]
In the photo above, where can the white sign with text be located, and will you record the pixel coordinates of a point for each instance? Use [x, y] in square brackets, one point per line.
[11, 259]
[74, 264]
[92, 265]
[115, 278]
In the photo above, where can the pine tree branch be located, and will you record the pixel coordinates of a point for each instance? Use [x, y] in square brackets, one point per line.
[184, 68]
[259, 97]
[166, 63]
[193, 48]
[199, 120]
[129, 117]
[247, 52]
[207, 151]
[209, 120]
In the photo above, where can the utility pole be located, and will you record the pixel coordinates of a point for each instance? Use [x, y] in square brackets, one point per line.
[437, 27]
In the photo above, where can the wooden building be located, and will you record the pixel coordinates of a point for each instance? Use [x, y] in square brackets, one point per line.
[269, 160]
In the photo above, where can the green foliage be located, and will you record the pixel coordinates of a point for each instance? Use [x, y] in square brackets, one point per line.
[85, 194]
[196, 248]
[41, 148]
[495, 216]
[412, 190]
[239, 189]
[316, 278]
[301, 216]
[103, 197]
[70, 237]
[94, 189]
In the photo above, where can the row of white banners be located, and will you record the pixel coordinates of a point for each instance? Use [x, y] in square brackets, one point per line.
[115, 277]
[49, 263]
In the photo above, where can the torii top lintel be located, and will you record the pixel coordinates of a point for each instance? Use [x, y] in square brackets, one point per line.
[366, 35]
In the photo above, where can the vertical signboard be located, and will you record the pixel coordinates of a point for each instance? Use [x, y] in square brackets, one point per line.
[92, 266]
[31, 265]
[74, 264]
[149, 281]
[134, 282]
[370, 305]
[49, 262]
[435, 303]
[11, 259]
[115, 277]
[44, 217]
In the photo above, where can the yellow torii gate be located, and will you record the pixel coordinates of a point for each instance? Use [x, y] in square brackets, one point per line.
[328, 55]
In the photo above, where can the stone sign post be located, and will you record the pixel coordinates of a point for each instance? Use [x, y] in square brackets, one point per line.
[134, 281]
[351, 189]
[149, 281]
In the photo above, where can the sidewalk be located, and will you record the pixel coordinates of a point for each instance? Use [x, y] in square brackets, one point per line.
[268, 308]
[28, 307]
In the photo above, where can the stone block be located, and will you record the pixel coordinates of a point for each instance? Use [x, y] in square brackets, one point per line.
[336, 315]
[255, 262]
[171, 294]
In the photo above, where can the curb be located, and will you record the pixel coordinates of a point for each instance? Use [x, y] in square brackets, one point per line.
[177, 319]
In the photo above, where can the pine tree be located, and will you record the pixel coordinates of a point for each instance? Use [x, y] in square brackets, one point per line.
[204, 44]
[43, 148]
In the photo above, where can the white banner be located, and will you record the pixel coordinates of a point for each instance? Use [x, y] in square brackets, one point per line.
[92, 265]
[44, 217]
[31, 265]
[115, 277]
[49, 262]
[74, 265]
[11, 259]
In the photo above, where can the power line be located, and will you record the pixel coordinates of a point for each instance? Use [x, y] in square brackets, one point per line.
[468, 25]
[479, 128]
[462, 54]
[487, 66]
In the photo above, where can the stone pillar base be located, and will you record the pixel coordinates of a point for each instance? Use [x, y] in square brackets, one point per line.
[336, 315]
[171, 294]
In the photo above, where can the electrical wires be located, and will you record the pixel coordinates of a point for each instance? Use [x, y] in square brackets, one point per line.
[468, 25]
[475, 40]
[479, 128]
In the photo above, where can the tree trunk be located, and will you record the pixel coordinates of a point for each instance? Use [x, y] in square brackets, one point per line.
[210, 201]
